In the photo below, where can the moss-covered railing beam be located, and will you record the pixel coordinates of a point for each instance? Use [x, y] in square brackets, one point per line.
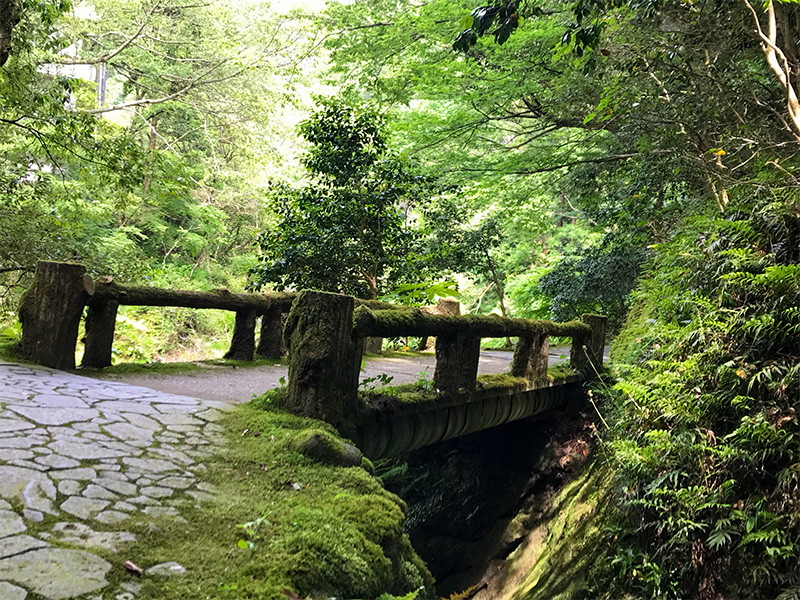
[414, 322]
[109, 295]
[220, 299]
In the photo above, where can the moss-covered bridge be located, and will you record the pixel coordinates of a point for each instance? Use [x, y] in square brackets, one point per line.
[325, 335]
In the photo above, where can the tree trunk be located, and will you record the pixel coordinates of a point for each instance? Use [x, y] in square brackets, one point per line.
[9, 17]
[51, 311]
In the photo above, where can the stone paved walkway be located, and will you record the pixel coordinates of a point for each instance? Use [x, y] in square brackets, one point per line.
[83, 456]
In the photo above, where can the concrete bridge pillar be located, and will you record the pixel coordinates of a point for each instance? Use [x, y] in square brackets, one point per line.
[456, 362]
[324, 358]
[531, 358]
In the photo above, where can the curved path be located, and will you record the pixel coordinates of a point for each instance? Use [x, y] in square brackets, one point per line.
[83, 457]
[225, 383]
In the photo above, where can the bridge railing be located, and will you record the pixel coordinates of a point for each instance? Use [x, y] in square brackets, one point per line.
[325, 335]
[52, 309]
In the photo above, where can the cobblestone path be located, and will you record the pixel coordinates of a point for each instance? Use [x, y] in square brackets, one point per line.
[79, 458]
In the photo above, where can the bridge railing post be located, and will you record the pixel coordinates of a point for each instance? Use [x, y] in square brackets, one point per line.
[243, 342]
[269, 344]
[101, 319]
[324, 357]
[586, 354]
[51, 311]
[457, 359]
[531, 357]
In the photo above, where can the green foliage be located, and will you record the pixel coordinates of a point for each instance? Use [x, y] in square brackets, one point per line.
[348, 231]
[599, 280]
[707, 438]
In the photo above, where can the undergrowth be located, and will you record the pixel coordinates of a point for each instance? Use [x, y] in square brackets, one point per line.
[706, 441]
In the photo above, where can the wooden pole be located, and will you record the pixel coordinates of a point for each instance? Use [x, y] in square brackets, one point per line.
[51, 311]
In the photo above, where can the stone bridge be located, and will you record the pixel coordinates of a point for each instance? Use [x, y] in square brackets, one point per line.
[325, 334]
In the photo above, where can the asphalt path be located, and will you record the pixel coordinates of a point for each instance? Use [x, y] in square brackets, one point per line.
[231, 384]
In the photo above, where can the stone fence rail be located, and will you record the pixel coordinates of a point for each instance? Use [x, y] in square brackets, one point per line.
[325, 335]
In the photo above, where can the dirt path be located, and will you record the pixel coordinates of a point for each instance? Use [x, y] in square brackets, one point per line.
[230, 384]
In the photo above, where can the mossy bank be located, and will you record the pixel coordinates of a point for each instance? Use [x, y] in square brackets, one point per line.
[286, 518]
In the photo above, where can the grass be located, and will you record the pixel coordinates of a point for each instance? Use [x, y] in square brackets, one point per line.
[169, 368]
[281, 521]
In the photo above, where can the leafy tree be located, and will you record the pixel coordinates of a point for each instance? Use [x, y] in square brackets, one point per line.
[350, 229]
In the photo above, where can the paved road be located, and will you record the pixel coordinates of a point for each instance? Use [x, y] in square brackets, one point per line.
[229, 384]
[92, 455]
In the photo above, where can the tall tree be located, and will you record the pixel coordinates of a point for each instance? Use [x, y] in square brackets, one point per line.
[349, 230]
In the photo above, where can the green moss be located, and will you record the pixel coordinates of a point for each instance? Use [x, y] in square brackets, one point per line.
[557, 560]
[500, 381]
[325, 530]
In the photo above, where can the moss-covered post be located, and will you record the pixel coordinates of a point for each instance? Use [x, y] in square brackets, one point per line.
[531, 357]
[51, 311]
[269, 344]
[443, 307]
[324, 357]
[101, 318]
[243, 343]
[457, 358]
[578, 360]
[597, 340]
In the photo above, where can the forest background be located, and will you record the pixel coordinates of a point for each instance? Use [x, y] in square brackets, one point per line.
[634, 158]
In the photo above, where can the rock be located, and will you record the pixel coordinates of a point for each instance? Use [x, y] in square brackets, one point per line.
[34, 516]
[18, 544]
[83, 535]
[11, 592]
[327, 448]
[10, 523]
[111, 517]
[83, 508]
[56, 573]
[54, 416]
[56, 461]
[167, 569]
[38, 496]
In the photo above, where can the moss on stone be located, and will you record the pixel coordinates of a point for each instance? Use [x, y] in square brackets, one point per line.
[325, 531]
[327, 448]
[556, 560]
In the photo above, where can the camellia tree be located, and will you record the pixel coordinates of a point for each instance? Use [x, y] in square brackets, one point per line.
[350, 229]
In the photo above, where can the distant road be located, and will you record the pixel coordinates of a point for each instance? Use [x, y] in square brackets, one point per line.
[229, 384]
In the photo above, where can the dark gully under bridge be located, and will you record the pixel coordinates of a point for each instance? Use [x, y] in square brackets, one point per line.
[325, 335]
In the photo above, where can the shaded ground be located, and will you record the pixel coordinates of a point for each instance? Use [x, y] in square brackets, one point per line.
[225, 383]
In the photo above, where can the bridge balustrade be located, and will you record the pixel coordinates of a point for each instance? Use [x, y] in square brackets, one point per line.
[325, 335]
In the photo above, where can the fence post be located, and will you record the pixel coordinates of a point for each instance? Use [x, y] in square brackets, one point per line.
[243, 342]
[324, 357]
[597, 339]
[51, 311]
[456, 362]
[269, 344]
[531, 357]
[101, 318]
